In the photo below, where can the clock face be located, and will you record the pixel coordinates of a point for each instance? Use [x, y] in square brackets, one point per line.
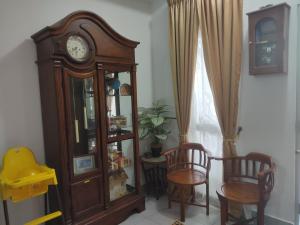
[77, 48]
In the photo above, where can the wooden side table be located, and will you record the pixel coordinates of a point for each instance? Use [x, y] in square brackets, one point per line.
[155, 172]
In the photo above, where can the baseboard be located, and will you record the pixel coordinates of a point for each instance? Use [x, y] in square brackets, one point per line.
[271, 220]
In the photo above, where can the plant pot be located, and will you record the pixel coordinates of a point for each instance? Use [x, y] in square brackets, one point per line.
[156, 150]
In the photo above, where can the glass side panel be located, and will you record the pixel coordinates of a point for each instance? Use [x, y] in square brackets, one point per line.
[121, 169]
[266, 42]
[84, 124]
[119, 103]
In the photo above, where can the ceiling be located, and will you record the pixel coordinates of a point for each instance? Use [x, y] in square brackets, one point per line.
[154, 1]
[147, 6]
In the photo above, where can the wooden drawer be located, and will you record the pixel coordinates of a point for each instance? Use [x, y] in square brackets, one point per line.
[87, 196]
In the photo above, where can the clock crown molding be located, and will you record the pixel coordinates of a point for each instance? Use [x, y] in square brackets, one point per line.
[267, 7]
[105, 45]
[60, 27]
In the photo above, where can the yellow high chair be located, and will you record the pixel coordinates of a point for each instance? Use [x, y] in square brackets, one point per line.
[22, 178]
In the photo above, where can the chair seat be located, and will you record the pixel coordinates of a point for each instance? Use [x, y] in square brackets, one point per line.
[244, 193]
[186, 177]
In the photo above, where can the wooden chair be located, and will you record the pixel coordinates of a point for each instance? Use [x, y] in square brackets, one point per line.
[187, 166]
[247, 180]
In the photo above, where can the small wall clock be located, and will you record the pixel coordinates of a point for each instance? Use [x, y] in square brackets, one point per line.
[268, 39]
[77, 48]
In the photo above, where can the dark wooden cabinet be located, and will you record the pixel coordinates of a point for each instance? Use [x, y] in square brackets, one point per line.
[87, 195]
[87, 75]
[268, 39]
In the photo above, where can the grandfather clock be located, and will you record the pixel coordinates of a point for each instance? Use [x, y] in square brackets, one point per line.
[87, 75]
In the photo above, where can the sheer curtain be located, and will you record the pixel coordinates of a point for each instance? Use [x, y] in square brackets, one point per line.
[204, 126]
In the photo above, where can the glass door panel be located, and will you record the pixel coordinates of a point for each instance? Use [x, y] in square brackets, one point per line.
[121, 169]
[119, 103]
[83, 124]
[266, 47]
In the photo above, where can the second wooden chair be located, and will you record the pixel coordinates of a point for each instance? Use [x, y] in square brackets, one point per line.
[247, 180]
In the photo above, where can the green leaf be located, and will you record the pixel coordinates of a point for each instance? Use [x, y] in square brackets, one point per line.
[161, 136]
[150, 115]
[153, 121]
[157, 121]
[144, 132]
[144, 121]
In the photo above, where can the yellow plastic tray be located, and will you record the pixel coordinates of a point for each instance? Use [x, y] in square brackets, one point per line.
[22, 177]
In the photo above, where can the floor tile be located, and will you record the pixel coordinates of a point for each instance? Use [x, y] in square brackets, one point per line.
[158, 213]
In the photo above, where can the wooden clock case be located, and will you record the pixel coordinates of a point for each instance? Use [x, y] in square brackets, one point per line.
[85, 197]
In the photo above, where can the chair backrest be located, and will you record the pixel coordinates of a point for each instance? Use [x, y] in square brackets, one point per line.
[254, 167]
[193, 155]
[171, 157]
[18, 161]
[188, 155]
[248, 166]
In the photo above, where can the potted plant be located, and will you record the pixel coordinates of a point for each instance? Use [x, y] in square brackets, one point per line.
[152, 124]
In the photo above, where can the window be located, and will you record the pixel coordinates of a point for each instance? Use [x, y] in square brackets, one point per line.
[204, 125]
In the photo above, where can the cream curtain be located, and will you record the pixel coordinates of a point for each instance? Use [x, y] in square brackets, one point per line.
[184, 28]
[204, 126]
[221, 30]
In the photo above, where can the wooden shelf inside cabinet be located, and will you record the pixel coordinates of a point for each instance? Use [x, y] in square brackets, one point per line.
[119, 132]
[114, 172]
[121, 137]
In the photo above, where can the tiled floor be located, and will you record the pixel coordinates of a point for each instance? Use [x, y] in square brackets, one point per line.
[157, 213]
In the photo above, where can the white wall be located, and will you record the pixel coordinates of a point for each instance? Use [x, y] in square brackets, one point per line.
[268, 116]
[161, 68]
[20, 111]
[298, 119]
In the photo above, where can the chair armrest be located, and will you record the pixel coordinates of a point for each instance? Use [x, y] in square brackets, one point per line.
[226, 158]
[209, 154]
[266, 179]
[169, 151]
[171, 157]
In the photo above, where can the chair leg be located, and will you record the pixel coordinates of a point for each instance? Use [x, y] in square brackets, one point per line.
[169, 195]
[182, 207]
[260, 214]
[193, 194]
[60, 205]
[207, 198]
[5, 212]
[46, 203]
[224, 211]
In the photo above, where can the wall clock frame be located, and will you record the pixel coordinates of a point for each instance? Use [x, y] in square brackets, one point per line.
[268, 39]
